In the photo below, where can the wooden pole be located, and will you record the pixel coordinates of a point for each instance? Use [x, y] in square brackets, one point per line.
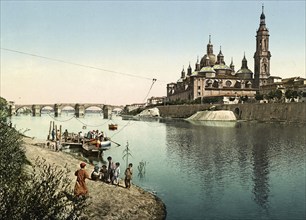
[50, 130]
[60, 134]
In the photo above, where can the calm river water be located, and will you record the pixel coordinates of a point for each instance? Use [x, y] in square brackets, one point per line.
[210, 170]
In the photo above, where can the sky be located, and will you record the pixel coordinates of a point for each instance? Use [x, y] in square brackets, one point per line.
[109, 52]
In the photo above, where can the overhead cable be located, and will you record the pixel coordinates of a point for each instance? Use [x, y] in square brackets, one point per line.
[75, 64]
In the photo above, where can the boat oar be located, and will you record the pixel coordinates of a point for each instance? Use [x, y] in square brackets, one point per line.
[114, 142]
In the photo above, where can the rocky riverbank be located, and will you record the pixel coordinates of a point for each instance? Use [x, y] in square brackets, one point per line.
[106, 201]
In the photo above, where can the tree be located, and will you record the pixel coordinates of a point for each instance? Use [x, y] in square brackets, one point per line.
[259, 97]
[278, 94]
[289, 94]
[3, 110]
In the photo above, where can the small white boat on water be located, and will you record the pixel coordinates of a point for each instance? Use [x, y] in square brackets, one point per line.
[101, 145]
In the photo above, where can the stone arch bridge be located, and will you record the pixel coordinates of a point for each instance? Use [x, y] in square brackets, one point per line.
[79, 108]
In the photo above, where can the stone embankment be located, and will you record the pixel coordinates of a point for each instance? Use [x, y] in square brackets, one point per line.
[106, 201]
[267, 112]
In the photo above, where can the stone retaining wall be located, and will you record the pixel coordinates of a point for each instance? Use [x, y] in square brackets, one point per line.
[286, 112]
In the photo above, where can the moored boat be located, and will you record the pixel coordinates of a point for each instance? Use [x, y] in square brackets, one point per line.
[112, 126]
[101, 145]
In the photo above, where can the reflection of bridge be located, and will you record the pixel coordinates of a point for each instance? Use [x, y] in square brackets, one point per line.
[79, 108]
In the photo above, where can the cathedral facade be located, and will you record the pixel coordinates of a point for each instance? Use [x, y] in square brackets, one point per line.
[211, 76]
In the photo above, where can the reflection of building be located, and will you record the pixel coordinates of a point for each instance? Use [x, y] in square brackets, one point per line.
[212, 77]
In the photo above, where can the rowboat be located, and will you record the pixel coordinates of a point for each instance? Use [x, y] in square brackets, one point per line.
[100, 145]
[90, 150]
[112, 126]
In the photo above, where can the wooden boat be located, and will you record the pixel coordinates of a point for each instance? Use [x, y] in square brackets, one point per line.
[100, 145]
[112, 126]
[90, 150]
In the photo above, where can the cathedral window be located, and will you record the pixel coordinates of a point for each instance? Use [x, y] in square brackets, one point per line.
[228, 83]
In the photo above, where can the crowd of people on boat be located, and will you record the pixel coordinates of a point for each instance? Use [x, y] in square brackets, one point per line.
[109, 173]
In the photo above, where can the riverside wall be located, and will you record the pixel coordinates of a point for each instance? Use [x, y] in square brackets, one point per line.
[294, 112]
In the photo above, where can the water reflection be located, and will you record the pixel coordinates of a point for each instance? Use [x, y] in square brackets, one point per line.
[224, 158]
[261, 175]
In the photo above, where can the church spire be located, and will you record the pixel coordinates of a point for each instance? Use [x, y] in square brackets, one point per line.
[262, 54]
[189, 70]
[232, 66]
[262, 17]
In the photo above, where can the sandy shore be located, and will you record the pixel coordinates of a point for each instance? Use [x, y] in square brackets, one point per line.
[106, 201]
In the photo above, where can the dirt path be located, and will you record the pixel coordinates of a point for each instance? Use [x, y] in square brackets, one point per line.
[106, 201]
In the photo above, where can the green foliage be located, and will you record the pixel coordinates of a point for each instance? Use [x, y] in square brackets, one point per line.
[212, 100]
[244, 98]
[259, 96]
[12, 155]
[3, 110]
[289, 94]
[278, 94]
[43, 194]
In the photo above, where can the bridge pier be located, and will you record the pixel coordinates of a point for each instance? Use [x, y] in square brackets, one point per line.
[57, 110]
[79, 110]
[107, 111]
[36, 110]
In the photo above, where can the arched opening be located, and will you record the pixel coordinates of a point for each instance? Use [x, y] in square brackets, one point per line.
[238, 113]
[46, 110]
[68, 110]
[24, 111]
[94, 110]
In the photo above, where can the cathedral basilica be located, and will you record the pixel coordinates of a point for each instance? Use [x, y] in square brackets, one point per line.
[213, 78]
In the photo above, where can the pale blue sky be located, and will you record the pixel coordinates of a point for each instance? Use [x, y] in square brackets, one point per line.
[149, 39]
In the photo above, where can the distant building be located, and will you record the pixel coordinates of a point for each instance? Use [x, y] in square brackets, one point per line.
[213, 78]
[156, 100]
[293, 83]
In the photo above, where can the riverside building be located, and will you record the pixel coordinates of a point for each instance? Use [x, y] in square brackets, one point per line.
[212, 77]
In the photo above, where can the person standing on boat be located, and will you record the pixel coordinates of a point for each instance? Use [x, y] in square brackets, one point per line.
[110, 169]
[53, 134]
[58, 135]
[80, 188]
[66, 135]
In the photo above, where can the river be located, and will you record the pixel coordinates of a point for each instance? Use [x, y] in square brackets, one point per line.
[228, 170]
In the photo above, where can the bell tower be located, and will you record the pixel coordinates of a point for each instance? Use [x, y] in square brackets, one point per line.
[262, 54]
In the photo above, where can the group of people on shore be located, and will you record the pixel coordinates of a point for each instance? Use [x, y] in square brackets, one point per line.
[109, 173]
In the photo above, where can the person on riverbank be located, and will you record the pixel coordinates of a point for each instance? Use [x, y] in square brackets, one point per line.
[80, 188]
[128, 176]
[110, 169]
[103, 173]
[115, 179]
[95, 173]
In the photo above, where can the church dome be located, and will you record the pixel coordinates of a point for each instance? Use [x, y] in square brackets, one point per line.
[211, 57]
[244, 72]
